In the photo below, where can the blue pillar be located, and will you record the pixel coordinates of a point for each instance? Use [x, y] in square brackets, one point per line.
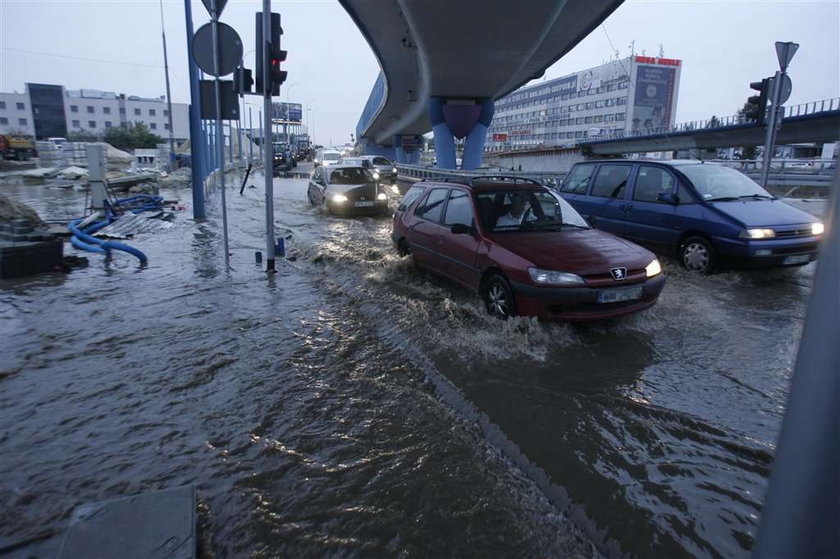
[198, 162]
[444, 139]
[476, 139]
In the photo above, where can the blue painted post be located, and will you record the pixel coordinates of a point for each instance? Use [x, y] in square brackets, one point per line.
[230, 141]
[476, 139]
[444, 139]
[251, 136]
[198, 162]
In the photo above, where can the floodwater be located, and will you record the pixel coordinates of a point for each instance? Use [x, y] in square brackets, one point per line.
[350, 405]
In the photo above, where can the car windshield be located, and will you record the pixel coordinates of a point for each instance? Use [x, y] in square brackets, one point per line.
[381, 161]
[351, 175]
[504, 211]
[716, 182]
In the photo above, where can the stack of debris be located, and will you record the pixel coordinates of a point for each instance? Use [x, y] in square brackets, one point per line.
[26, 245]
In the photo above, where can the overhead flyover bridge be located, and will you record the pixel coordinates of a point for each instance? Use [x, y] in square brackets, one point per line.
[444, 63]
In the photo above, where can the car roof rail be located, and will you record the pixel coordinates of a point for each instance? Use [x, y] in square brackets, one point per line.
[463, 180]
[503, 178]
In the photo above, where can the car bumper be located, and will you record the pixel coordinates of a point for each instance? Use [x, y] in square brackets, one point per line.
[770, 253]
[581, 303]
[350, 208]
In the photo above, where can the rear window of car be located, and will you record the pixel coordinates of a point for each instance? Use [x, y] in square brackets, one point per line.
[578, 179]
[413, 194]
[332, 156]
[611, 181]
[432, 207]
[352, 175]
[380, 161]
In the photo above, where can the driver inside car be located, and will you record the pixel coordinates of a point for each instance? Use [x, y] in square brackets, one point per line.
[516, 216]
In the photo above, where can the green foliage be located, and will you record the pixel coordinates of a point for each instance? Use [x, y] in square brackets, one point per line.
[132, 136]
[83, 136]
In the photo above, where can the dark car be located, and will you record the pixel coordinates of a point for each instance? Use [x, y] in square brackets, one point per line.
[346, 189]
[383, 167]
[282, 158]
[704, 213]
[524, 250]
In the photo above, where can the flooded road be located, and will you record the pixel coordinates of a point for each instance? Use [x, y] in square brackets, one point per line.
[352, 405]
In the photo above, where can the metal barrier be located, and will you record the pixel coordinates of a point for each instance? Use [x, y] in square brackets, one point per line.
[420, 172]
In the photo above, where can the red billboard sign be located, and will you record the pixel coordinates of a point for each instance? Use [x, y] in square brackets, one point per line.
[500, 137]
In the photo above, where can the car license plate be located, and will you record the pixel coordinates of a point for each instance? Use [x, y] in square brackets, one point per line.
[363, 204]
[797, 259]
[619, 295]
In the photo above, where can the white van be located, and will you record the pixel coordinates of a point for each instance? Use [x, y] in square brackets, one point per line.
[327, 157]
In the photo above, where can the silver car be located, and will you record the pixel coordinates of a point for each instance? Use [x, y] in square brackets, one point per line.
[386, 169]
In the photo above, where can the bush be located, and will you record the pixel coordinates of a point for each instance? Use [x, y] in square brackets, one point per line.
[132, 136]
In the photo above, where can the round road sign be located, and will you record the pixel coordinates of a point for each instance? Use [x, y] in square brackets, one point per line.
[230, 49]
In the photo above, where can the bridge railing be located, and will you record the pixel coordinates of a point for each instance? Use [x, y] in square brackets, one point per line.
[803, 109]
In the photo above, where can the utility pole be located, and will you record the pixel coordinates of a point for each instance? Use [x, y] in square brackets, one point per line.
[197, 159]
[168, 92]
[268, 150]
[220, 142]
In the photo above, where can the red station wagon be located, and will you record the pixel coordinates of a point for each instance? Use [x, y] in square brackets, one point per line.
[524, 249]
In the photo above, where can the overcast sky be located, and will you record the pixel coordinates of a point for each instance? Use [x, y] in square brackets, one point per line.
[116, 46]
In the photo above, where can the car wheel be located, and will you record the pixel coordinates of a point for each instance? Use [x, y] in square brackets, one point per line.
[498, 297]
[698, 255]
[403, 248]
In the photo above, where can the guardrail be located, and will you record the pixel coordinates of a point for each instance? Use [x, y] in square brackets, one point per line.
[420, 172]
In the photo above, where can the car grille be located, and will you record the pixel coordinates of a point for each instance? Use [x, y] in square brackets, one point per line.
[802, 232]
[803, 249]
[606, 280]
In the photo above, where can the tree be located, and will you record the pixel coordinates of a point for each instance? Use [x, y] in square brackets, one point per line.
[83, 136]
[132, 136]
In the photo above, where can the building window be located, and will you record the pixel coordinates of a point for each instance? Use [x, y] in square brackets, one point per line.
[122, 110]
[2, 104]
[166, 126]
[90, 110]
[153, 126]
[165, 112]
[619, 116]
[77, 124]
[4, 120]
[20, 106]
[74, 108]
[22, 121]
[108, 124]
[106, 110]
[151, 112]
[137, 111]
[91, 124]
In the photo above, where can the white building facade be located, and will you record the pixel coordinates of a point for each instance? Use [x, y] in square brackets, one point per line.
[91, 111]
[637, 93]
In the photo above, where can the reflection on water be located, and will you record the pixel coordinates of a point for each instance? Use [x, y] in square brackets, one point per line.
[351, 405]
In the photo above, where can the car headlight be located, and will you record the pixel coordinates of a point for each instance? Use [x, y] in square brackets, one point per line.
[550, 277]
[653, 269]
[817, 228]
[375, 176]
[757, 234]
[395, 189]
[339, 198]
[381, 196]
[394, 169]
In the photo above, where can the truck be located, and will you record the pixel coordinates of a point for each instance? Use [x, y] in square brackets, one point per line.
[17, 147]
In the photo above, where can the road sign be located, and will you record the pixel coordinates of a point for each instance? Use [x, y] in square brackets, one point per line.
[220, 5]
[230, 49]
[785, 52]
[787, 88]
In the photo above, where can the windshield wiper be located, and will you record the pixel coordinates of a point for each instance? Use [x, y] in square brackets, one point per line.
[722, 199]
[758, 196]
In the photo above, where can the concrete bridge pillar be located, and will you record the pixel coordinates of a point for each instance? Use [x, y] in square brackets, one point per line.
[460, 118]
[407, 148]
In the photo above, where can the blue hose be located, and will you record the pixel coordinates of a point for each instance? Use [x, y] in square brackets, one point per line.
[81, 239]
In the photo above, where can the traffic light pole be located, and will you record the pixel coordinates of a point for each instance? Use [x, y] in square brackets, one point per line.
[220, 143]
[267, 138]
[770, 136]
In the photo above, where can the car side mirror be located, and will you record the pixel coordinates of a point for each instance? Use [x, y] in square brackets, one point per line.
[461, 229]
[667, 197]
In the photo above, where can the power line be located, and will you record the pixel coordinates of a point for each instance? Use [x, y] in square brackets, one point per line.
[97, 60]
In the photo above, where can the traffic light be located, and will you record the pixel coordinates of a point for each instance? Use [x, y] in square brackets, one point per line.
[275, 74]
[242, 80]
[758, 103]
[275, 56]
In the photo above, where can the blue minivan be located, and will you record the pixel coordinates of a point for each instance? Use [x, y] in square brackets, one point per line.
[706, 214]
